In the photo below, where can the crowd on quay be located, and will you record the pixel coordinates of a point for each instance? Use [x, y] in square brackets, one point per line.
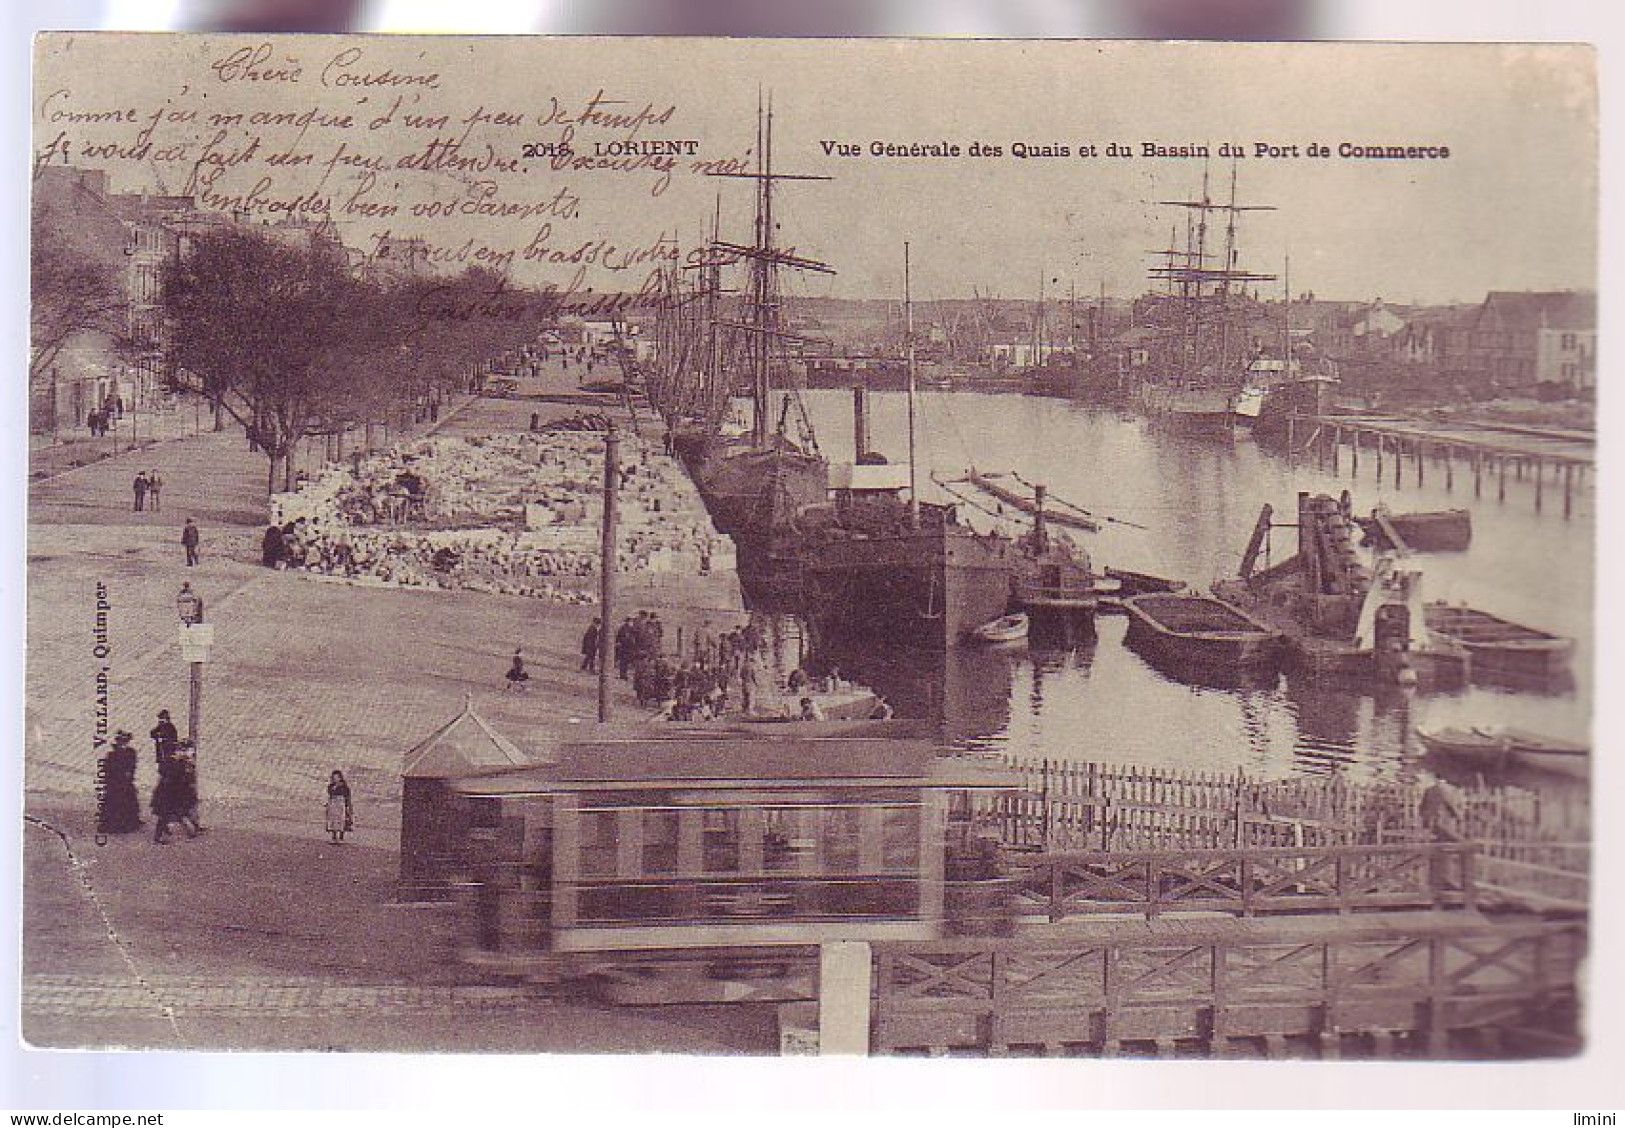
[709, 675]
[512, 514]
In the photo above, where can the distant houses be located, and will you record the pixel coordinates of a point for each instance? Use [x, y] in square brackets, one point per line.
[1528, 343]
[130, 236]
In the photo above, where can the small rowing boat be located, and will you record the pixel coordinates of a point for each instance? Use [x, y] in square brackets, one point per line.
[1469, 747]
[1010, 628]
[1494, 747]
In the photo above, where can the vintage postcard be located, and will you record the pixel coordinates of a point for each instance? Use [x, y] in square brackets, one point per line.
[783, 547]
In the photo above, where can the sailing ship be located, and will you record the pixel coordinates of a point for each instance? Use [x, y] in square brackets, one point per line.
[754, 483]
[1196, 366]
[866, 558]
[1295, 383]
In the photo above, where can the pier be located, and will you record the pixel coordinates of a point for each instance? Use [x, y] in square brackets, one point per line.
[1395, 448]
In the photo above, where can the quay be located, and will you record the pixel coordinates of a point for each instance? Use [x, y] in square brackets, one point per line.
[1548, 457]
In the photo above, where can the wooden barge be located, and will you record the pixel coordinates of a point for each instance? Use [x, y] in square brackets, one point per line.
[1447, 530]
[1499, 646]
[1032, 503]
[1200, 631]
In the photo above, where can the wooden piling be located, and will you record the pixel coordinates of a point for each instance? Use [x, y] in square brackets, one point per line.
[1421, 462]
[1354, 453]
[1337, 448]
[1568, 491]
[1449, 469]
[1501, 489]
[1540, 484]
[1478, 473]
[1378, 436]
[1399, 463]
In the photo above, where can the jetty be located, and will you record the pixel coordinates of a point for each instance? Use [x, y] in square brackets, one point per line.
[1549, 458]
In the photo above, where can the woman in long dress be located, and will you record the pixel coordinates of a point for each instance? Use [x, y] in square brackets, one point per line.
[120, 811]
[339, 811]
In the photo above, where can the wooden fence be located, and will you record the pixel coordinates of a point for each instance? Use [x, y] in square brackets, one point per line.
[1220, 995]
[1534, 845]
[1246, 882]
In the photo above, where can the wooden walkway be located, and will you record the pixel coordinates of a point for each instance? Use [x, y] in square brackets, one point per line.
[1436, 985]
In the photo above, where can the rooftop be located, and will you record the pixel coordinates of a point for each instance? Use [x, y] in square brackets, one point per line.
[735, 760]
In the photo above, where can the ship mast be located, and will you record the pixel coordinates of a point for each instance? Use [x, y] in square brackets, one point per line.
[762, 326]
[1286, 349]
[908, 339]
[762, 276]
[1199, 283]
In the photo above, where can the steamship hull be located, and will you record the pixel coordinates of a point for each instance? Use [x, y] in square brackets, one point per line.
[929, 587]
[1190, 410]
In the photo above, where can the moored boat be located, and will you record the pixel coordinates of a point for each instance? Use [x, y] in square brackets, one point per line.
[1546, 753]
[1495, 748]
[1446, 530]
[1009, 628]
[1031, 502]
[1500, 646]
[1468, 747]
[1199, 630]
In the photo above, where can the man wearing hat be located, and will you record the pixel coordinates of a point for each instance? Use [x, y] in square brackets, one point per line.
[164, 737]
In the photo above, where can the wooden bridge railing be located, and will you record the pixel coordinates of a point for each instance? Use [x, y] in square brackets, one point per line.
[1246, 882]
[1225, 993]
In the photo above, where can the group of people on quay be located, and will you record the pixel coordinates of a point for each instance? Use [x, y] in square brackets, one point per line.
[717, 670]
[706, 677]
[174, 799]
[503, 513]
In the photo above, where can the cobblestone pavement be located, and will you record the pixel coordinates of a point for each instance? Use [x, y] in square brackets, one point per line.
[191, 1012]
[188, 995]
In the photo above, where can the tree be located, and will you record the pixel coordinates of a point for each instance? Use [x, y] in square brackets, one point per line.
[71, 293]
[275, 331]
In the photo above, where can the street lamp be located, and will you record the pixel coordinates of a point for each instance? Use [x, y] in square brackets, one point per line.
[196, 637]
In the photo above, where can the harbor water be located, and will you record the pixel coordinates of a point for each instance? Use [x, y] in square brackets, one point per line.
[1183, 507]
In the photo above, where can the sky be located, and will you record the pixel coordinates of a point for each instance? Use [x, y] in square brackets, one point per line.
[1513, 206]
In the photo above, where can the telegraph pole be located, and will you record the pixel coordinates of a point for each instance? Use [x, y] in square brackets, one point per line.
[606, 569]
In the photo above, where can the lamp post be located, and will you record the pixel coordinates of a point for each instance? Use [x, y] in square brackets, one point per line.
[196, 638]
[606, 569]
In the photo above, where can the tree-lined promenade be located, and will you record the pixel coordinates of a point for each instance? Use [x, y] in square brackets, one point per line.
[286, 339]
